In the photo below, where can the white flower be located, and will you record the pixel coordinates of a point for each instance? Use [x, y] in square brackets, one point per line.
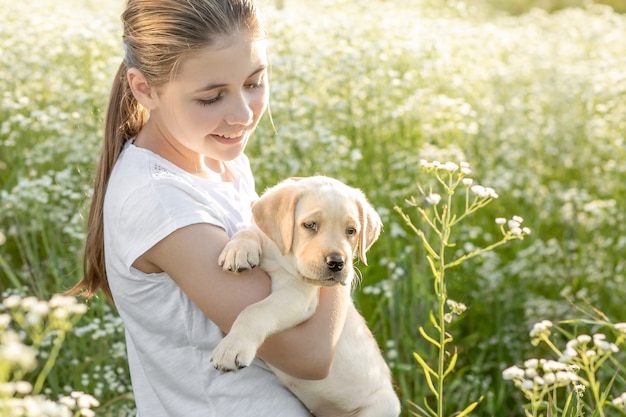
[456, 307]
[68, 401]
[433, 199]
[23, 387]
[41, 308]
[583, 338]
[450, 167]
[500, 221]
[467, 182]
[491, 192]
[29, 303]
[543, 327]
[549, 377]
[607, 347]
[87, 401]
[620, 327]
[513, 372]
[565, 377]
[12, 351]
[479, 190]
[531, 363]
[5, 320]
[86, 412]
[620, 401]
[12, 301]
[59, 300]
[553, 366]
[514, 224]
[60, 313]
[580, 389]
[568, 355]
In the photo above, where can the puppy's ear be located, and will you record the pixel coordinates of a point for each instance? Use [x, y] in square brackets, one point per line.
[370, 226]
[274, 214]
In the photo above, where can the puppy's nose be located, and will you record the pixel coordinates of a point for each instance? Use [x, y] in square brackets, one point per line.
[335, 262]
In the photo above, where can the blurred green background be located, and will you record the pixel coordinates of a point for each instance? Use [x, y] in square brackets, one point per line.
[533, 98]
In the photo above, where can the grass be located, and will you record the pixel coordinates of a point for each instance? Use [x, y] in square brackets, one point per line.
[535, 102]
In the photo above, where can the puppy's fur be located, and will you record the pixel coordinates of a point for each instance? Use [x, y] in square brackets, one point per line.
[305, 234]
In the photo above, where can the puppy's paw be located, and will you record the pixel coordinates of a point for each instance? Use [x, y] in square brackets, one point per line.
[231, 355]
[240, 255]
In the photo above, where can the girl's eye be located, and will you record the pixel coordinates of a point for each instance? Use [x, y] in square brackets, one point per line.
[257, 84]
[210, 101]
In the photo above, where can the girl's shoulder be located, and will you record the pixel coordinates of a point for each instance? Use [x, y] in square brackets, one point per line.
[142, 182]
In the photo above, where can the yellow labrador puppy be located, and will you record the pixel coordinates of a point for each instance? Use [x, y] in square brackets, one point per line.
[305, 234]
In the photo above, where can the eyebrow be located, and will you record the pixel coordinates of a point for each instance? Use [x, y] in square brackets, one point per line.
[209, 87]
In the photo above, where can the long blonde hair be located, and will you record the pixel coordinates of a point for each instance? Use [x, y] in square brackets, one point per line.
[157, 36]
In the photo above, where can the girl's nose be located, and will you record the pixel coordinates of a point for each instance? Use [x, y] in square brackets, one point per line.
[241, 112]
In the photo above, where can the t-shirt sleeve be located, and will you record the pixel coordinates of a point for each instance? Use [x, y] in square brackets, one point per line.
[156, 210]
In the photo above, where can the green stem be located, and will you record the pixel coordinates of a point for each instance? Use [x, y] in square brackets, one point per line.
[476, 253]
[442, 297]
[595, 391]
[54, 353]
[14, 280]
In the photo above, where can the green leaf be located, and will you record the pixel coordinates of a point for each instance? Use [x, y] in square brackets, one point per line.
[470, 408]
[427, 373]
[423, 364]
[428, 338]
[433, 320]
[451, 365]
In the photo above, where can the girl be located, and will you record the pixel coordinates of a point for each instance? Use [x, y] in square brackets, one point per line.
[172, 185]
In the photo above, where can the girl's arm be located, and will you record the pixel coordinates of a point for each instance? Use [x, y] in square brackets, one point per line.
[189, 255]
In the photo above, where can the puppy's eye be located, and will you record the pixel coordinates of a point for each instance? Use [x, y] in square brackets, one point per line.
[310, 225]
[350, 231]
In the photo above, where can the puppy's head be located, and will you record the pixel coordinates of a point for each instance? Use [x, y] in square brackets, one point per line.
[322, 222]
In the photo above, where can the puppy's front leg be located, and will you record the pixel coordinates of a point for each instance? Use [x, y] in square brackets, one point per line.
[242, 252]
[280, 310]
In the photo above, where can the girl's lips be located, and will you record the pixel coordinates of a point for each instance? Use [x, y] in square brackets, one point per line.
[230, 139]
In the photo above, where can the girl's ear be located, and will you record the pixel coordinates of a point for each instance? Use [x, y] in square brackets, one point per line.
[143, 92]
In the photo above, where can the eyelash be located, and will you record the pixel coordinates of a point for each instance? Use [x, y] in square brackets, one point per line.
[210, 101]
[251, 86]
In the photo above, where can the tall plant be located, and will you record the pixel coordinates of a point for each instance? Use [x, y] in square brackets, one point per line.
[451, 200]
[26, 325]
[582, 377]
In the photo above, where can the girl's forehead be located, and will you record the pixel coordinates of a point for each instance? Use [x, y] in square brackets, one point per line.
[229, 58]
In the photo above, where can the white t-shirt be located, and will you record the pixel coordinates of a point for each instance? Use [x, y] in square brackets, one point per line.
[169, 340]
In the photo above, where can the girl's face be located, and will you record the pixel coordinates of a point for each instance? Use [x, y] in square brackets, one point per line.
[216, 100]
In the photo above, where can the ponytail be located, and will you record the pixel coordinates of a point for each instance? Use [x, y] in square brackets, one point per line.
[124, 119]
[156, 36]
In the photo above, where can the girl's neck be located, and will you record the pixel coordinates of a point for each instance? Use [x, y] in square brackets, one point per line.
[150, 137]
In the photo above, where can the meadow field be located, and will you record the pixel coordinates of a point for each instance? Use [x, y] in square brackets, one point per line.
[367, 91]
